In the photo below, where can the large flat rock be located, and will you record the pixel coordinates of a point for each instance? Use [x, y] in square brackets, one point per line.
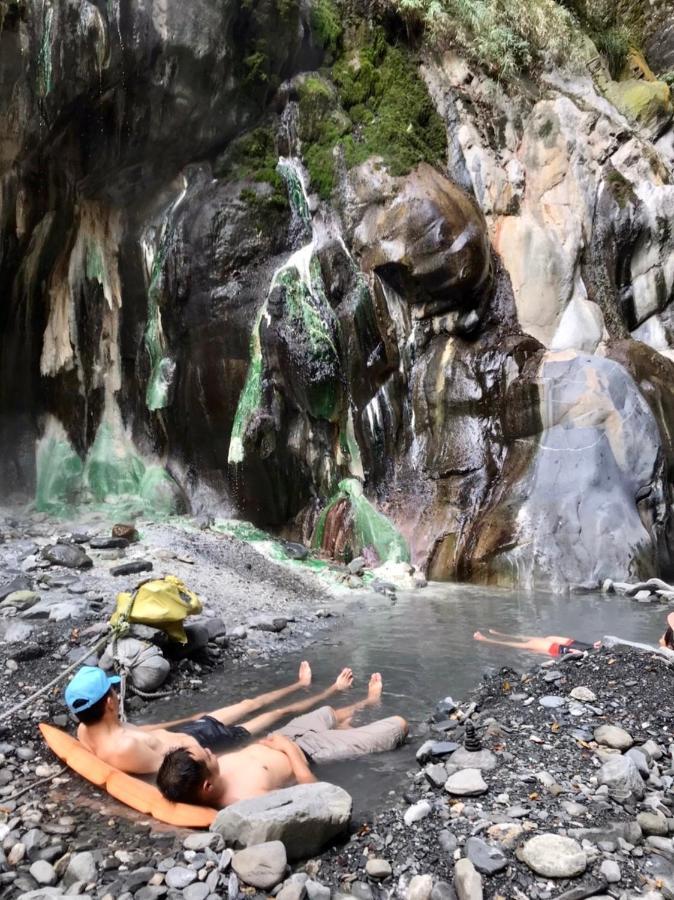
[304, 818]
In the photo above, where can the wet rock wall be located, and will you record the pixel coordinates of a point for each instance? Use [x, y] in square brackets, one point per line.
[452, 291]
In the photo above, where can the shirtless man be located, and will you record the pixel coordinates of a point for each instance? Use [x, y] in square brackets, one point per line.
[140, 749]
[281, 760]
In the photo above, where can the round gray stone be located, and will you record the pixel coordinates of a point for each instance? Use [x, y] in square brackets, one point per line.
[262, 866]
[552, 701]
[179, 877]
[612, 736]
[554, 856]
[43, 872]
[378, 868]
[197, 891]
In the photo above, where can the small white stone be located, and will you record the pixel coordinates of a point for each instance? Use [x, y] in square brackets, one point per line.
[583, 694]
[417, 812]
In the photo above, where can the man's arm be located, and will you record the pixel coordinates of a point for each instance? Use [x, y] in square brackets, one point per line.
[297, 759]
[156, 725]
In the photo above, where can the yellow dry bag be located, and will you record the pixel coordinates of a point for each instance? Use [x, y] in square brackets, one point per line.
[163, 603]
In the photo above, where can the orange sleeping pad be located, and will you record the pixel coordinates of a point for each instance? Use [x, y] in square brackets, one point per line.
[135, 793]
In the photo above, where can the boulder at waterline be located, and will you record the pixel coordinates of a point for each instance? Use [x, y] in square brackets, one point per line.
[304, 817]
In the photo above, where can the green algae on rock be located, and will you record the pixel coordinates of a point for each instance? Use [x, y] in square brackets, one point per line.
[58, 471]
[350, 523]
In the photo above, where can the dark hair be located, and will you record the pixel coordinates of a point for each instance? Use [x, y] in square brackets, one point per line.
[93, 714]
[180, 776]
[669, 637]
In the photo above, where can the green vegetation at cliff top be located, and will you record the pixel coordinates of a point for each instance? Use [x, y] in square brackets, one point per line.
[509, 37]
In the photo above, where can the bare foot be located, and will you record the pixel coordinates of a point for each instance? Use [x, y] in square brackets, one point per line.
[374, 689]
[304, 676]
[478, 636]
[344, 680]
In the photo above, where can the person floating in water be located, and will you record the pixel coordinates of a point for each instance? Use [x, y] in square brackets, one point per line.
[196, 775]
[555, 645]
[552, 645]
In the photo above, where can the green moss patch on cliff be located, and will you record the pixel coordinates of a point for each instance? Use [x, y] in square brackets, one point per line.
[375, 105]
[326, 24]
[253, 157]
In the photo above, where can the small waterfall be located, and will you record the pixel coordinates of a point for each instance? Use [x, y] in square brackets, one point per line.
[44, 59]
[162, 365]
[305, 294]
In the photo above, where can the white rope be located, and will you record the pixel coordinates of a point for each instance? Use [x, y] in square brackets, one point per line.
[95, 645]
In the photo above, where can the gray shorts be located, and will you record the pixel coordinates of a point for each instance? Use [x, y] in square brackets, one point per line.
[316, 734]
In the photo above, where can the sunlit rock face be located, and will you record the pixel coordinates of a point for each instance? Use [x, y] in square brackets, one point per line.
[596, 470]
[217, 288]
[429, 241]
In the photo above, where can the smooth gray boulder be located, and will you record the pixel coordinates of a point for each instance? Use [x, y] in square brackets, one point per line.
[473, 759]
[622, 778]
[466, 783]
[304, 818]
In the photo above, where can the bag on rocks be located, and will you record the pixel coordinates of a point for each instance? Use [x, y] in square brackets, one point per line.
[147, 667]
[163, 603]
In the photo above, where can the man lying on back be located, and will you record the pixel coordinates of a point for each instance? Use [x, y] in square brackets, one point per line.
[140, 749]
[190, 775]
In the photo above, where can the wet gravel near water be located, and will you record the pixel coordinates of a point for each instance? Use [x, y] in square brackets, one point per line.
[547, 778]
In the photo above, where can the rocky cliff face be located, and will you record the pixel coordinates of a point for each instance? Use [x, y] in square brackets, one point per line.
[297, 260]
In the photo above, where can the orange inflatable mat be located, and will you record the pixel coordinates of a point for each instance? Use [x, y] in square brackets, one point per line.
[135, 793]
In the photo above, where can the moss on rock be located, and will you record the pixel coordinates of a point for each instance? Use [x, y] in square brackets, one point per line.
[645, 102]
[379, 106]
[253, 157]
[326, 24]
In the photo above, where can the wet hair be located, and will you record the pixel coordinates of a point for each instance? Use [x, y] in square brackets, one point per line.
[180, 776]
[93, 714]
[669, 637]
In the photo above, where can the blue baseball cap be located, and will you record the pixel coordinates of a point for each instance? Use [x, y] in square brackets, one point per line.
[87, 687]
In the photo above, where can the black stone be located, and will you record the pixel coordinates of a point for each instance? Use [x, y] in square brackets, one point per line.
[108, 543]
[70, 555]
[471, 741]
[132, 568]
[294, 550]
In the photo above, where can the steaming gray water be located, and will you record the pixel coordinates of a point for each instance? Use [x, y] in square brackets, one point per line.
[423, 645]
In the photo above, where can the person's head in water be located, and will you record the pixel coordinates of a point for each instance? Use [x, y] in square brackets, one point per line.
[91, 693]
[191, 776]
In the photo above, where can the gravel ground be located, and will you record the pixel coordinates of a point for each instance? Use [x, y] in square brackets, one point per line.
[547, 778]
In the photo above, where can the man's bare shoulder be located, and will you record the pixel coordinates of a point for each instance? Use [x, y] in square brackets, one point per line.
[130, 751]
